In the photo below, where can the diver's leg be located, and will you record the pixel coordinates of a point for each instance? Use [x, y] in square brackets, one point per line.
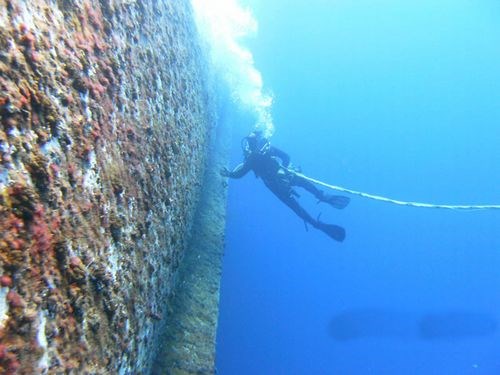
[309, 186]
[332, 230]
[297, 208]
[336, 201]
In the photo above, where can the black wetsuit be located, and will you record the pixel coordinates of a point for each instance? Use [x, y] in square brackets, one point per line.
[272, 166]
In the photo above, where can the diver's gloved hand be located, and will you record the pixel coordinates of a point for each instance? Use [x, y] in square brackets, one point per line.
[224, 172]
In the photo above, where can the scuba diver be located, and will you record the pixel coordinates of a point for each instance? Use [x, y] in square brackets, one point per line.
[273, 167]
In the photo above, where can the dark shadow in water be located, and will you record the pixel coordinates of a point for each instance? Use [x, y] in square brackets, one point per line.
[456, 324]
[357, 324]
[363, 323]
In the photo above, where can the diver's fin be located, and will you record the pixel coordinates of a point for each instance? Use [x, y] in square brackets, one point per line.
[337, 201]
[332, 230]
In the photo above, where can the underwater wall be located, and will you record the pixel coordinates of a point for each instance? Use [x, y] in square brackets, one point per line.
[187, 346]
[105, 128]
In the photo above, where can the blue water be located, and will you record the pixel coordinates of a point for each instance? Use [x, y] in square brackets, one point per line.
[396, 98]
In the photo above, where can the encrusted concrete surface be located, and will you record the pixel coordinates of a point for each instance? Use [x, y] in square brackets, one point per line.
[188, 346]
[104, 130]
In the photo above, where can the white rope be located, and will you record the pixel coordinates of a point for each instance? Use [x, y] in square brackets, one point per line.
[402, 203]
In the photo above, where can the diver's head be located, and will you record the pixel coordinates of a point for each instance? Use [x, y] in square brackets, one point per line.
[254, 139]
[255, 142]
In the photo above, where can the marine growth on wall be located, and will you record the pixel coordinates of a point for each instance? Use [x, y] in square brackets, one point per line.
[104, 125]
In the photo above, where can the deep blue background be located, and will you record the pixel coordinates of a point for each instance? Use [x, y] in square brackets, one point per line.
[397, 98]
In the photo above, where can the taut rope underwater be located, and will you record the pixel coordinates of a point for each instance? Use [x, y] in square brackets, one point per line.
[402, 203]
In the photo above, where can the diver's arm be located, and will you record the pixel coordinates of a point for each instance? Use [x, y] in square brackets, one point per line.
[285, 158]
[237, 172]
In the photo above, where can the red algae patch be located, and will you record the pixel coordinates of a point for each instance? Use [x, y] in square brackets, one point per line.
[5, 281]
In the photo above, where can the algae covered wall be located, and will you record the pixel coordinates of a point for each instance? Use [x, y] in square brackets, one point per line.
[104, 130]
[188, 344]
